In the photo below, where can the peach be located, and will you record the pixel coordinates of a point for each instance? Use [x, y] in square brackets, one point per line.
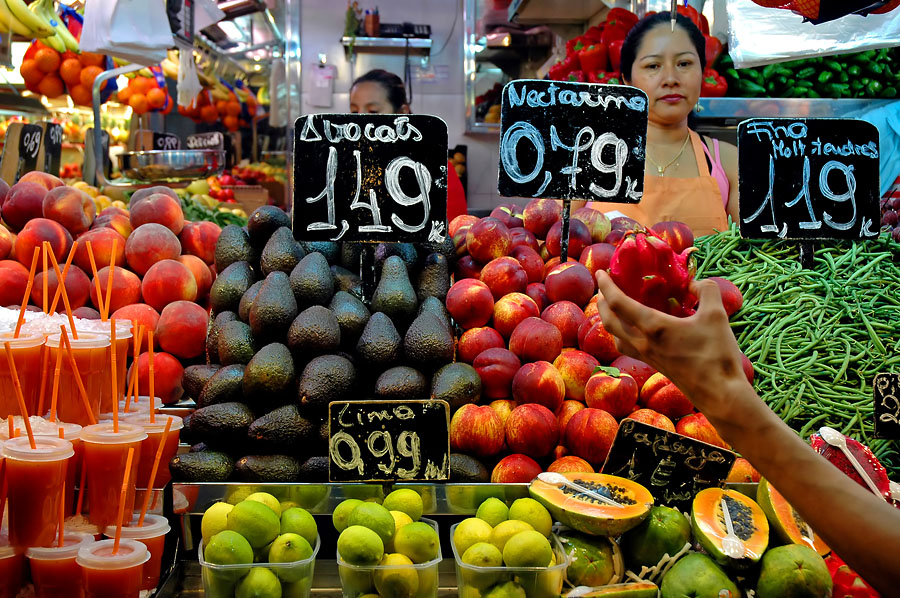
[475, 340]
[37, 231]
[613, 391]
[487, 239]
[199, 239]
[590, 434]
[515, 469]
[579, 238]
[476, 430]
[149, 244]
[113, 211]
[538, 292]
[139, 314]
[509, 214]
[4, 192]
[7, 242]
[539, 382]
[467, 267]
[530, 261]
[44, 179]
[532, 429]
[461, 221]
[181, 329]
[159, 208]
[13, 281]
[565, 412]
[638, 370]
[459, 240]
[567, 317]
[119, 223]
[168, 281]
[201, 272]
[625, 224]
[614, 237]
[86, 313]
[77, 285]
[591, 308]
[70, 207]
[503, 407]
[596, 257]
[540, 214]
[496, 368]
[511, 310]
[167, 373]
[24, 203]
[535, 340]
[742, 472]
[140, 194]
[575, 367]
[678, 235]
[504, 275]
[126, 288]
[101, 240]
[596, 221]
[593, 338]
[549, 263]
[570, 464]
[652, 418]
[696, 426]
[660, 394]
[732, 299]
[570, 281]
[470, 303]
[520, 236]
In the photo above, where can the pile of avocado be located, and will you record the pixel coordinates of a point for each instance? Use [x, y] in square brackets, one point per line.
[291, 333]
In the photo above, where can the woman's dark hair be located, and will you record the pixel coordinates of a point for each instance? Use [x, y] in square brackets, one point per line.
[392, 84]
[637, 33]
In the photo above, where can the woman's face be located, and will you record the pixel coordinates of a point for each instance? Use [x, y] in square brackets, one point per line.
[370, 97]
[667, 68]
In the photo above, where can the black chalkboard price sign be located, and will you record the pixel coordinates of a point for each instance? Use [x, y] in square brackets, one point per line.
[808, 178]
[166, 141]
[566, 140]
[674, 468]
[385, 441]
[370, 177]
[887, 405]
[51, 152]
[213, 140]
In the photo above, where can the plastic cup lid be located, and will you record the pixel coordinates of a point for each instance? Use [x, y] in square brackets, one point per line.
[154, 525]
[72, 543]
[103, 433]
[142, 418]
[47, 448]
[98, 555]
[123, 328]
[85, 340]
[70, 431]
[25, 339]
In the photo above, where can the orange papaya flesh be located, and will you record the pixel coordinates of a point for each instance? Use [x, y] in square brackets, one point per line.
[749, 521]
[785, 521]
[642, 589]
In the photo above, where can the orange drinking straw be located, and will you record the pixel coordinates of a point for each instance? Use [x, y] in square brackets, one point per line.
[55, 393]
[121, 514]
[62, 512]
[152, 396]
[45, 274]
[113, 381]
[109, 278]
[96, 280]
[81, 492]
[65, 273]
[12, 434]
[156, 460]
[34, 261]
[65, 295]
[21, 399]
[64, 339]
[45, 363]
[133, 383]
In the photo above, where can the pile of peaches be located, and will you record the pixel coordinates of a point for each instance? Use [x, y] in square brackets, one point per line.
[554, 386]
[163, 264]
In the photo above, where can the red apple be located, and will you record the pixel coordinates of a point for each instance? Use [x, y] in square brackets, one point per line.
[509, 214]
[535, 340]
[540, 383]
[532, 430]
[576, 368]
[496, 368]
[660, 394]
[476, 430]
[567, 317]
[590, 434]
[463, 220]
[511, 310]
[515, 469]
[613, 391]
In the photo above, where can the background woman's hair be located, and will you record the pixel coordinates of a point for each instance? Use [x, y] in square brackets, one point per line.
[637, 33]
[392, 84]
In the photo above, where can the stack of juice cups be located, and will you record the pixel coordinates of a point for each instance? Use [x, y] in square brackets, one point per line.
[91, 354]
[140, 404]
[12, 568]
[123, 340]
[53, 569]
[105, 457]
[110, 574]
[155, 430]
[152, 533]
[72, 433]
[26, 350]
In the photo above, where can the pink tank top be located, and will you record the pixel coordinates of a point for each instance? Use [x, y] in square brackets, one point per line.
[717, 172]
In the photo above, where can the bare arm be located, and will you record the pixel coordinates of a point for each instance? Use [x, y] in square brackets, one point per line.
[701, 356]
[728, 155]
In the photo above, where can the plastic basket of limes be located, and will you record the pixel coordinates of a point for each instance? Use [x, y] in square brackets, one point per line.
[255, 548]
[387, 549]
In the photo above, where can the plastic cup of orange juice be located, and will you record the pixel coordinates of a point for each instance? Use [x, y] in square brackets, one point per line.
[12, 569]
[26, 352]
[105, 456]
[140, 405]
[53, 569]
[149, 447]
[35, 478]
[153, 535]
[108, 575]
[91, 353]
[123, 343]
[72, 433]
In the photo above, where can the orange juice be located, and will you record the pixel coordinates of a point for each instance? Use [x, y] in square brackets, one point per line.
[108, 575]
[12, 569]
[91, 354]
[35, 480]
[105, 455]
[123, 341]
[72, 433]
[26, 352]
[153, 535]
[151, 445]
[53, 569]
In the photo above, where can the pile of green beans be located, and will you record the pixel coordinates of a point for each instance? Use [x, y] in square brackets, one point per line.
[816, 337]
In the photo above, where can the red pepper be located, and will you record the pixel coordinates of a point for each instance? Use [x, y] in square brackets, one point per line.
[713, 49]
[576, 44]
[593, 58]
[622, 17]
[593, 33]
[558, 72]
[713, 85]
[576, 77]
[613, 32]
[612, 78]
[691, 13]
[595, 77]
[615, 54]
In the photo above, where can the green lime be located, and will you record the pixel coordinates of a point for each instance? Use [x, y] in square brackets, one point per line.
[290, 548]
[342, 513]
[405, 500]
[470, 531]
[508, 589]
[268, 500]
[358, 545]
[397, 578]
[259, 583]
[494, 511]
[375, 517]
[418, 541]
[400, 519]
[228, 548]
[507, 530]
[236, 494]
[308, 495]
[533, 513]
[297, 589]
[255, 521]
[215, 520]
[527, 549]
[298, 521]
[483, 554]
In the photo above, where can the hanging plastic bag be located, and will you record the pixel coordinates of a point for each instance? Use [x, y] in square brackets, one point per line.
[135, 30]
[188, 82]
[279, 95]
[759, 35]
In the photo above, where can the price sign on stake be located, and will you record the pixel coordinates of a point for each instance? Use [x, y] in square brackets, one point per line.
[20, 151]
[808, 179]
[887, 405]
[51, 152]
[166, 141]
[673, 467]
[370, 177]
[387, 441]
[206, 141]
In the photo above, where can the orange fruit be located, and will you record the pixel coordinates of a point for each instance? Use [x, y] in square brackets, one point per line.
[233, 108]
[138, 103]
[51, 86]
[81, 95]
[230, 122]
[222, 107]
[91, 59]
[70, 71]
[47, 60]
[209, 114]
[124, 94]
[142, 84]
[156, 98]
[30, 72]
[88, 74]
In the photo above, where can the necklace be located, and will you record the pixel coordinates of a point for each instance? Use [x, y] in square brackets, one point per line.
[661, 170]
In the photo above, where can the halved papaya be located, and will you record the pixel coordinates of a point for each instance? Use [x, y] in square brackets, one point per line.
[749, 522]
[637, 589]
[787, 523]
[589, 515]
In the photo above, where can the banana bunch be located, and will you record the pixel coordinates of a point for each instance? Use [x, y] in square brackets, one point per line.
[61, 39]
[16, 18]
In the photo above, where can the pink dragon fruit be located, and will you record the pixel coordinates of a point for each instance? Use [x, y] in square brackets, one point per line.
[847, 583]
[646, 268]
[864, 456]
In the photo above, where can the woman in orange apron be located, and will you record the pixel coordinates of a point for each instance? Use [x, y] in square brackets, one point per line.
[684, 179]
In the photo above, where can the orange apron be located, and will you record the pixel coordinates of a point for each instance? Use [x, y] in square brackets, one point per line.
[695, 201]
